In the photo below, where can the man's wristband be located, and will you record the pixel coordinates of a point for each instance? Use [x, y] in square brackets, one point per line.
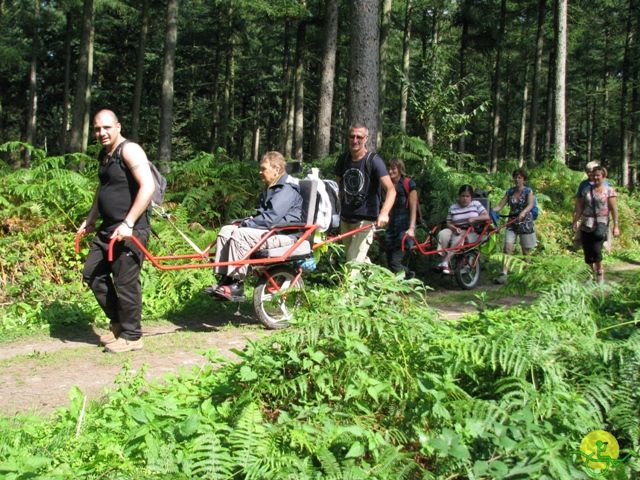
[125, 222]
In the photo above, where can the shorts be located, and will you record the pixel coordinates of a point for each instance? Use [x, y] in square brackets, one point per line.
[527, 240]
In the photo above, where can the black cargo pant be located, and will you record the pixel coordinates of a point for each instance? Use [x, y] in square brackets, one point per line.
[116, 284]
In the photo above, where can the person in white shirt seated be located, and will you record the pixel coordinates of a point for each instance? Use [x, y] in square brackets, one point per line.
[462, 214]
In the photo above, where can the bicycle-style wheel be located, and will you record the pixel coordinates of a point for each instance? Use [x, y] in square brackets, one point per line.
[272, 301]
[467, 269]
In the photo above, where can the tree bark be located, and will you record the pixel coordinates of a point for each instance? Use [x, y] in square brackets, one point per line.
[364, 68]
[406, 64]
[137, 92]
[32, 117]
[385, 27]
[83, 82]
[464, 41]
[66, 93]
[166, 103]
[535, 84]
[635, 107]
[435, 42]
[625, 133]
[298, 124]
[325, 102]
[559, 141]
[285, 131]
[523, 117]
[497, 79]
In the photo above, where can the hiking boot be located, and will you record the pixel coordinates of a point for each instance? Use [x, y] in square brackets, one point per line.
[232, 293]
[112, 335]
[500, 279]
[122, 345]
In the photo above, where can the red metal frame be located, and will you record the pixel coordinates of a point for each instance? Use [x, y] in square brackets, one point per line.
[425, 248]
[160, 262]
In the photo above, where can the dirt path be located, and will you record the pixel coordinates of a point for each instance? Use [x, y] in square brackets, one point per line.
[36, 374]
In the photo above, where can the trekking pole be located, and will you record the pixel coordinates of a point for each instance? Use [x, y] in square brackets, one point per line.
[167, 216]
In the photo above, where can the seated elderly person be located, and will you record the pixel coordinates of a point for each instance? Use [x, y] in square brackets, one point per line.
[465, 212]
[280, 203]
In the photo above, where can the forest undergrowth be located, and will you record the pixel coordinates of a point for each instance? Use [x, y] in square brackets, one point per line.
[367, 384]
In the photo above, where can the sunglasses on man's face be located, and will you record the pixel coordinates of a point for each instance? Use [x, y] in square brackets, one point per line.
[356, 137]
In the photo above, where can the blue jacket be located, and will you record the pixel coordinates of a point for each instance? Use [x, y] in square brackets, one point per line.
[280, 203]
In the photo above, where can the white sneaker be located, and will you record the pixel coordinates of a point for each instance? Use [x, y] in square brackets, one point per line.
[444, 264]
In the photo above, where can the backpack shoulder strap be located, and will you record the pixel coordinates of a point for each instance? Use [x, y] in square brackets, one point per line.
[117, 153]
[407, 190]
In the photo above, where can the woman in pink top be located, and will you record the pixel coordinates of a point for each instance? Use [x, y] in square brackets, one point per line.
[594, 206]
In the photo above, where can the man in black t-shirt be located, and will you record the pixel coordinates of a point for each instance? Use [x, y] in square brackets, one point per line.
[121, 201]
[362, 175]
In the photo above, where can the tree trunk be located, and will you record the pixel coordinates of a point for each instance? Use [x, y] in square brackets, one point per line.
[137, 92]
[435, 42]
[625, 133]
[86, 123]
[604, 114]
[66, 93]
[83, 82]
[464, 41]
[30, 133]
[559, 139]
[406, 64]
[548, 126]
[215, 104]
[364, 68]
[535, 84]
[166, 102]
[285, 131]
[325, 101]
[385, 27]
[497, 79]
[298, 124]
[523, 117]
[635, 108]
[591, 118]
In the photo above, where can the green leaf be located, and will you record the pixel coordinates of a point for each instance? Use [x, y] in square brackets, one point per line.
[247, 374]
[356, 450]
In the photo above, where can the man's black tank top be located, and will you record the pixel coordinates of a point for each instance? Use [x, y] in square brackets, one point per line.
[118, 190]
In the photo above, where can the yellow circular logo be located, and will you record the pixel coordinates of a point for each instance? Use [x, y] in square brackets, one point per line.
[600, 448]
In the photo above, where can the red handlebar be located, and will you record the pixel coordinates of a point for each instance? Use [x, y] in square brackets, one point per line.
[76, 244]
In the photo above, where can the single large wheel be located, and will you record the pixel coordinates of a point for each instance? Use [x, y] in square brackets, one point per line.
[272, 300]
[467, 269]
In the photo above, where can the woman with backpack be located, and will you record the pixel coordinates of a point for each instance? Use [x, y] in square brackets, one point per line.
[402, 219]
[521, 201]
[594, 206]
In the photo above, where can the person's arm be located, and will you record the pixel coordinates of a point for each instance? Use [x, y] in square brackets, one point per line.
[483, 216]
[277, 207]
[613, 208]
[138, 164]
[89, 225]
[530, 202]
[413, 211]
[577, 213]
[389, 200]
[501, 203]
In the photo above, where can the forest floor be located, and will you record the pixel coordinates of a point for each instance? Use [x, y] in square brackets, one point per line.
[37, 373]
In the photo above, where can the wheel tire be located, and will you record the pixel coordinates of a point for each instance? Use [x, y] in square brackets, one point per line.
[467, 269]
[275, 311]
